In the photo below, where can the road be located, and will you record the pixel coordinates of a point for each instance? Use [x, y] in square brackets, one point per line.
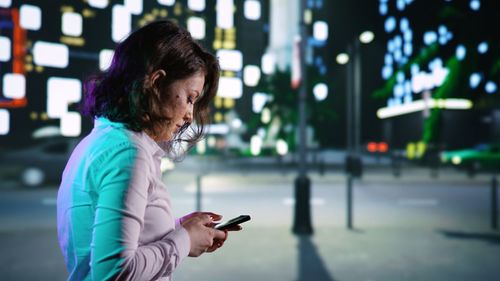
[443, 225]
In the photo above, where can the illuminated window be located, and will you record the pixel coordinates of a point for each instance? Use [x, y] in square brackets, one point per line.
[4, 121]
[166, 2]
[100, 4]
[5, 47]
[196, 27]
[30, 17]
[5, 3]
[320, 30]
[268, 63]
[60, 93]
[225, 17]
[251, 75]
[320, 91]
[258, 102]
[121, 23]
[51, 54]
[72, 24]
[133, 6]
[252, 10]
[105, 58]
[71, 124]
[14, 85]
[196, 5]
[230, 87]
[230, 60]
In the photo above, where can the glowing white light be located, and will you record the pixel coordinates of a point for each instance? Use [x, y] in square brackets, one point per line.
[414, 69]
[230, 87]
[30, 17]
[201, 146]
[390, 24]
[320, 91]
[461, 52]
[482, 47]
[133, 6]
[398, 42]
[60, 93]
[14, 86]
[231, 60]
[71, 124]
[442, 30]
[236, 123]
[105, 58]
[281, 147]
[100, 4]
[225, 16]
[196, 27]
[196, 5]
[474, 80]
[5, 3]
[255, 145]
[166, 2]
[408, 35]
[420, 105]
[456, 160]
[252, 9]
[5, 47]
[398, 90]
[258, 102]
[430, 37]
[121, 23]
[72, 24]
[268, 63]
[366, 37]
[217, 129]
[490, 87]
[265, 115]
[439, 75]
[475, 5]
[4, 121]
[320, 30]
[251, 75]
[51, 54]
[342, 58]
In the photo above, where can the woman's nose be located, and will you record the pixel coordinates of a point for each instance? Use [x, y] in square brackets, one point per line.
[188, 117]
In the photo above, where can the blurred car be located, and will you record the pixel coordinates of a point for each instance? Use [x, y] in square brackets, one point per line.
[40, 163]
[485, 157]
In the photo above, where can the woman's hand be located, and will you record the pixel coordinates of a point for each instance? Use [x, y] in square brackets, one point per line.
[204, 238]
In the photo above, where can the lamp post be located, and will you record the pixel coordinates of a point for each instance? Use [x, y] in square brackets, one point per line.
[302, 214]
[353, 162]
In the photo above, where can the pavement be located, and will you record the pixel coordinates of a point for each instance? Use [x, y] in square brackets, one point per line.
[404, 229]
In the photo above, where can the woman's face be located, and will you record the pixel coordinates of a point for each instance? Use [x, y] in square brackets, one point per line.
[182, 95]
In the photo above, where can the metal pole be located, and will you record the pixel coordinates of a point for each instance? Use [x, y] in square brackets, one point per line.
[357, 98]
[349, 103]
[302, 218]
[349, 201]
[494, 220]
[198, 193]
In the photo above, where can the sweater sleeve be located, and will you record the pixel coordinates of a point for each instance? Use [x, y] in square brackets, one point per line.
[116, 254]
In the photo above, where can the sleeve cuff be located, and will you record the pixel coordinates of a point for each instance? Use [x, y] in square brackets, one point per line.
[181, 239]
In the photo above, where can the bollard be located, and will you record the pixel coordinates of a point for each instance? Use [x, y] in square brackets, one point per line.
[494, 219]
[349, 201]
[198, 193]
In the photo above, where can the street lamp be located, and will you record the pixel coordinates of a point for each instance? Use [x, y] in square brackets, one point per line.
[353, 163]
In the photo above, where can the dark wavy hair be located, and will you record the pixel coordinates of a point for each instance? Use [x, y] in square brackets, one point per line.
[124, 92]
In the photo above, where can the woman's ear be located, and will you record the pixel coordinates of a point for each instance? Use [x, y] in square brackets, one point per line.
[156, 76]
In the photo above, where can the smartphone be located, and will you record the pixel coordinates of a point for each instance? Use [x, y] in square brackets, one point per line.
[232, 222]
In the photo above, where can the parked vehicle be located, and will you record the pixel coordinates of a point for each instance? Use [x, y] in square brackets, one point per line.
[485, 157]
[40, 163]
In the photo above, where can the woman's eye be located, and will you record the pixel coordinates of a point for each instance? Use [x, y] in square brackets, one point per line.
[190, 100]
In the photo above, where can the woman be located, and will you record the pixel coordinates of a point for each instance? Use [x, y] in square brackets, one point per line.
[114, 215]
